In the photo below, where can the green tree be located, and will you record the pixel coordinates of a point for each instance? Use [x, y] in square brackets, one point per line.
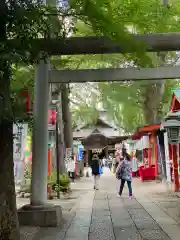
[132, 103]
[25, 20]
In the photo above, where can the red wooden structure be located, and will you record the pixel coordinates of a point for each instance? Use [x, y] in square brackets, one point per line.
[150, 169]
[173, 149]
[175, 102]
[49, 161]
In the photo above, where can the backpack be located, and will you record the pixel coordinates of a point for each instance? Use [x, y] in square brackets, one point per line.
[120, 171]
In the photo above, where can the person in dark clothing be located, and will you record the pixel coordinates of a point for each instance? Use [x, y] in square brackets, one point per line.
[95, 166]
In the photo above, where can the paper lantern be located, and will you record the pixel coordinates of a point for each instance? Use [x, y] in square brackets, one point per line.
[25, 94]
[52, 117]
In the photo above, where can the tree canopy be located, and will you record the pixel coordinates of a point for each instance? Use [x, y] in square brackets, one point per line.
[131, 103]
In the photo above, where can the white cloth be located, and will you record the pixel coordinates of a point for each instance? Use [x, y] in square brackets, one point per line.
[19, 171]
[96, 181]
[134, 165]
[71, 166]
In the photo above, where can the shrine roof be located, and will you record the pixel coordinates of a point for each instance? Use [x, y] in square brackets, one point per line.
[102, 126]
[175, 102]
[176, 91]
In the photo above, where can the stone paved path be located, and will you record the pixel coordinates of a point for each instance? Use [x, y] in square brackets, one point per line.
[102, 215]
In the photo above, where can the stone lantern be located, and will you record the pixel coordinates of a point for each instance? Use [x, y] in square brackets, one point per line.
[172, 126]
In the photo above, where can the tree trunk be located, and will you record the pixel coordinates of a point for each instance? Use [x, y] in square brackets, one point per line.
[66, 116]
[60, 140]
[154, 95]
[152, 103]
[9, 227]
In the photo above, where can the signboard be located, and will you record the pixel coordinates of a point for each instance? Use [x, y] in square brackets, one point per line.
[19, 141]
[96, 150]
[19, 146]
[80, 153]
[69, 160]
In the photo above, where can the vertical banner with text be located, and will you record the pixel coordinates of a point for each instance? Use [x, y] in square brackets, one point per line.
[19, 146]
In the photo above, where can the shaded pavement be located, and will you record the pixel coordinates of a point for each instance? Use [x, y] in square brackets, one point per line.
[154, 214]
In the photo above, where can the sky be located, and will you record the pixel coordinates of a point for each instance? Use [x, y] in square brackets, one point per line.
[62, 3]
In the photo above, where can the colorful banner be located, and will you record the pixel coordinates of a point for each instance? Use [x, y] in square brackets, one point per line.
[80, 153]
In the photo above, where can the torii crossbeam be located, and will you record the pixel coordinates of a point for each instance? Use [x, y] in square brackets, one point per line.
[113, 74]
[154, 42]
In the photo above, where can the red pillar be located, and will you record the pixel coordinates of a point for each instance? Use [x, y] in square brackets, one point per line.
[175, 167]
[149, 156]
[156, 158]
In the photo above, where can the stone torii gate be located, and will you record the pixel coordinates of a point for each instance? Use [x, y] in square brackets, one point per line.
[44, 76]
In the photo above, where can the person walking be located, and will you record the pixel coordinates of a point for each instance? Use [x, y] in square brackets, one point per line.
[96, 170]
[124, 173]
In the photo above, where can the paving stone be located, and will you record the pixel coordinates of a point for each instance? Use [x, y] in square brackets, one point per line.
[126, 233]
[101, 214]
[138, 212]
[77, 232]
[98, 220]
[123, 223]
[173, 236]
[82, 218]
[75, 238]
[101, 207]
[171, 229]
[120, 216]
[101, 231]
[28, 233]
[50, 234]
[120, 213]
[141, 224]
[153, 235]
[101, 225]
[80, 223]
[142, 218]
[133, 204]
[66, 221]
[164, 220]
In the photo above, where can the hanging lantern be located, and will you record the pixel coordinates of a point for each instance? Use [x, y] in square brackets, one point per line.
[52, 117]
[25, 94]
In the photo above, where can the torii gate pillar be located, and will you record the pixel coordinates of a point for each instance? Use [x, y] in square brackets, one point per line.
[40, 133]
[39, 213]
